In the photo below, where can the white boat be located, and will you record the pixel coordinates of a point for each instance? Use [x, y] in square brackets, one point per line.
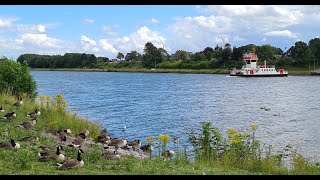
[250, 69]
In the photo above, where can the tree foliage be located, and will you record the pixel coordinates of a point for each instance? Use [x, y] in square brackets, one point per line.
[68, 60]
[16, 78]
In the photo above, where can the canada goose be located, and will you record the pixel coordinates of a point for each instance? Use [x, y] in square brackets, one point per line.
[72, 163]
[262, 107]
[1, 109]
[10, 116]
[5, 132]
[30, 138]
[147, 148]
[46, 148]
[62, 134]
[276, 114]
[10, 145]
[175, 140]
[111, 155]
[68, 131]
[103, 137]
[47, 156]
[79, 141]
[168, 154]
[267, 109]
[28, 125]
[135, 144]
[118, 143]
[86, 132]
[18, 103]
[34, 115]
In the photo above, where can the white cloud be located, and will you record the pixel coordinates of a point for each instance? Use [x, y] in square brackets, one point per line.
[237, 38]
[137, 40]
[41, 28]
[35, 43]
[88, 21]
[195, 33]
[264, 39]
[154, 21]
[88, 44]
[105, 45]
[5, 23]
[9, 45]
[258, 17]
[41, 40]
[284, 33]
[108, 30]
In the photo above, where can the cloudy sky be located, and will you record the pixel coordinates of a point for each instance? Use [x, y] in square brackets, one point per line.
[105, 30]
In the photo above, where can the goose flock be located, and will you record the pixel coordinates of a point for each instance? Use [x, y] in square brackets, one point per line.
[113, 148]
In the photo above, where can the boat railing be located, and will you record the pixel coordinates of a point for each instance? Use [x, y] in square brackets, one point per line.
[268, 66]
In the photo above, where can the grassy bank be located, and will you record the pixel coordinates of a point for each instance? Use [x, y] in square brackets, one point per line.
[193, 71]
[241, 155]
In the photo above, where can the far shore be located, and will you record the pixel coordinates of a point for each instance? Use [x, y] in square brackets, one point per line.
[189, 71]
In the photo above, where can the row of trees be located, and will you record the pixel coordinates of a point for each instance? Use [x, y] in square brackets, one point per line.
[301, 54]
[68, 60]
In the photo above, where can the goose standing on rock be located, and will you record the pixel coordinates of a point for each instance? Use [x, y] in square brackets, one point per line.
[10, 145]
[118, 143]
[35, 114]
[28, 125]
[72, 163]
[135, 144]
[103, 137]
[47, 156]
[111, 155]
[147, 148]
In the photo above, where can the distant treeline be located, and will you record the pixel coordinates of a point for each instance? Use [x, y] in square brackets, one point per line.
[301, 55]
[68, 60]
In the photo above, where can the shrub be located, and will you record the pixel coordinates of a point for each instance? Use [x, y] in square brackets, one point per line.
[16, 78]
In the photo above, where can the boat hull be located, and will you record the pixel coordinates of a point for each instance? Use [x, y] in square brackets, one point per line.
[260, 75]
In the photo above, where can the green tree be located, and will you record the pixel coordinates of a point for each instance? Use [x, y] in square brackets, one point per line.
[198, 56]
[302, 54]
[208, 52]
[120, 55]
[152, 55]
[16, 77]
[314, 45]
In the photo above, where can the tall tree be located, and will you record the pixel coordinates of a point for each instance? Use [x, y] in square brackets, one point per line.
[314, 45]
[120, 55]
[208, 52]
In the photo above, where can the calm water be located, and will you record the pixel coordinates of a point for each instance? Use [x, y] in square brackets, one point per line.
[159, 103]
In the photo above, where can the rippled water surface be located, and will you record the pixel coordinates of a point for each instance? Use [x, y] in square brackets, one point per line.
[161, 103]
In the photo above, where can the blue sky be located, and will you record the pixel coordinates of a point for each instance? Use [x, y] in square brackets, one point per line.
[105, 30]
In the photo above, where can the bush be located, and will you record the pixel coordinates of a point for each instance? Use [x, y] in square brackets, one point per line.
[16, 78]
